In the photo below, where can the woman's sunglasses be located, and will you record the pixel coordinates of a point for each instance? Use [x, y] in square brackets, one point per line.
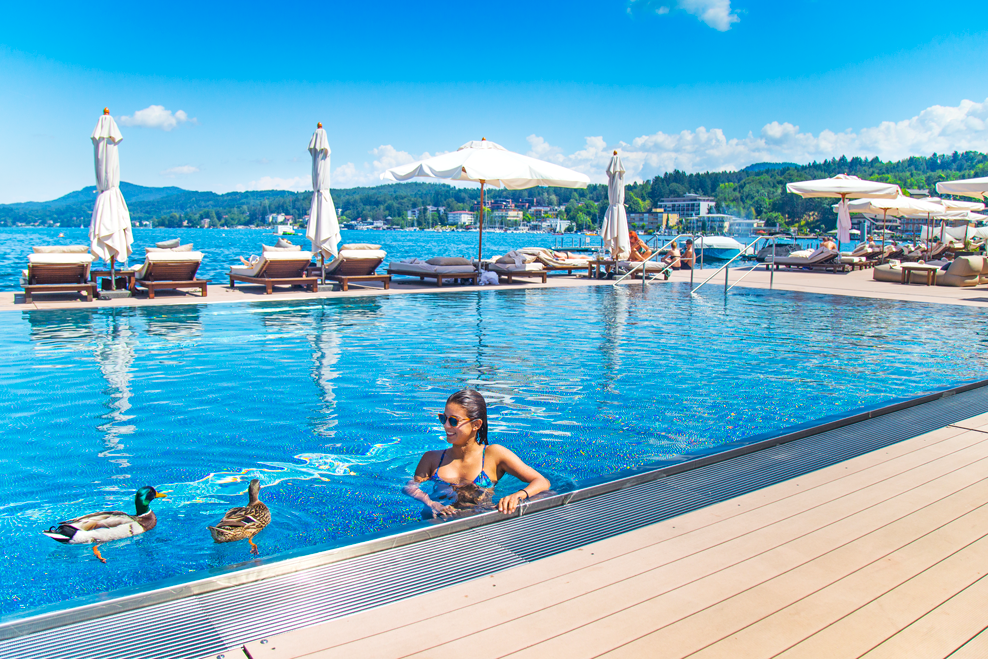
[451, 420]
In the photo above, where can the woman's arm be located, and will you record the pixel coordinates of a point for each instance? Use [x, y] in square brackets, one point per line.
[508, 462]
[422, 473]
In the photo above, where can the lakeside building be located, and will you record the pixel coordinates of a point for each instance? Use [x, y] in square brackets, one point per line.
[740, 226]
[691, 205]
[507, 216]
[654, 220]
[415, 213]
[460, 217]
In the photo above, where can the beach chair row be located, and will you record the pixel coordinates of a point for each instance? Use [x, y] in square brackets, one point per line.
[69, 269]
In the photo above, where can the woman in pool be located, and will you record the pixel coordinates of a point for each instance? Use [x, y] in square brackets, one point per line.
[464, 474]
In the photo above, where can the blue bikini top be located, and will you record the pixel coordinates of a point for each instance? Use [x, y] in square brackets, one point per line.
[482, 479]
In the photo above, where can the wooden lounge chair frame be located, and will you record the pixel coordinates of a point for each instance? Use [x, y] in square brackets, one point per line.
[170, 275]
[831, 263]
[358, 270]
[59, 278]
[280, 273]
[440, 277]
[521, 274]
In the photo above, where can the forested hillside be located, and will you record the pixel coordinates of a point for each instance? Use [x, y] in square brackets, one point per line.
[757, 191]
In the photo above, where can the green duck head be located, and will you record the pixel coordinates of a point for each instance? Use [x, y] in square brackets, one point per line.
[144, 497]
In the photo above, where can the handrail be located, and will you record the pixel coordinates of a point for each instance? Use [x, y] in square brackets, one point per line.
[727, 265]
[771, 271]
[654, 254]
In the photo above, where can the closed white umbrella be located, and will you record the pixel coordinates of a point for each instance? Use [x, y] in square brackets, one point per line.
[488, 163]
[110, 235]
[324, 227]
[614, 232]
[843, 187]
[971, 187]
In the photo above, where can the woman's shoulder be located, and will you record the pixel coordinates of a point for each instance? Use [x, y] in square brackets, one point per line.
[498, 451]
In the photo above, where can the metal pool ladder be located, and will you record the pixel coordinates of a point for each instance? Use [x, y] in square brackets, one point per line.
[726, 267]
[657, 252]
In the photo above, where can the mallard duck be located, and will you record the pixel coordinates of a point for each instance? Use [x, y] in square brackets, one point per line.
[243, 522]
[97, 528]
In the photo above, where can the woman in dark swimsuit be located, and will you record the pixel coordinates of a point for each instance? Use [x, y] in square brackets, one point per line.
[465, 473]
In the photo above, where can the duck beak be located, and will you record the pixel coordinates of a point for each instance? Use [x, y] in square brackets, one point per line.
[160, 495]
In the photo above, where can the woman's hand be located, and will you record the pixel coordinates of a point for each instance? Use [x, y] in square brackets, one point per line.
[439, 509]
[508, 504]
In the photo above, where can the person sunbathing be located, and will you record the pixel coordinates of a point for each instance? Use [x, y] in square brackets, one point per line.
[639, 250]
[464, 474]
[688, 259]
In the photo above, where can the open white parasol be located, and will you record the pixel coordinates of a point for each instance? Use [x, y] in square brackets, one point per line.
[843, 187]
[488, 163]
[323, 228]
[971, 187]
[110, 234]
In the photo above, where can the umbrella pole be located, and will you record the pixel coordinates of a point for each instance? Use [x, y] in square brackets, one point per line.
[322, 265]
[480, 240]
[113, 278]
[885, 214]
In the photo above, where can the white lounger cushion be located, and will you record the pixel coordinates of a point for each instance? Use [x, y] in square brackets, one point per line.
[524, 267]
[248, 271]
[167, 257]
[55, 258]
[354, 254]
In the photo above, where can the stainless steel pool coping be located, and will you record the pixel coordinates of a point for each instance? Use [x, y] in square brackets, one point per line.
[130, 604]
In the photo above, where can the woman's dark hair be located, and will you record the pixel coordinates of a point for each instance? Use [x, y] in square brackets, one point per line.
[476, 408]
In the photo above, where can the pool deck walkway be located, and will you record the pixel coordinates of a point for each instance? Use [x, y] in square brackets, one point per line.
[854, 284]
[883, 555]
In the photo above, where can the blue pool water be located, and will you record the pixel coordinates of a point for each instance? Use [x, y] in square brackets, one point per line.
[331, 402]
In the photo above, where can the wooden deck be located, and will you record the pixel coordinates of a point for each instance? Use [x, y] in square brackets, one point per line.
[884, 555]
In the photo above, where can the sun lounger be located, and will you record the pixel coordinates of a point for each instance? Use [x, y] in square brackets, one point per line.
[822, 259]
[440, 269]
[510, 271]
[553, 261]
[169, 270]
[654, 268]
[58, 273]
[277, 268]
[357, 265]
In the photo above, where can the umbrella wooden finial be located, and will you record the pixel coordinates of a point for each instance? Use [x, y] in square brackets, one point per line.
[106, 110]
[615, 151]
[319, 125]
[483, 139]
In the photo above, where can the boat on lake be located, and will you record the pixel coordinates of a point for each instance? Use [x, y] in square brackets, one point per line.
[720, 248]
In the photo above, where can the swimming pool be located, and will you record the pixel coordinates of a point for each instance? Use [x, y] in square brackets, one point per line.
[331, 402]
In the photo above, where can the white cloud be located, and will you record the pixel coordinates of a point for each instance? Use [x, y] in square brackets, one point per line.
[296, 184]
[937, 129]
[717, 14]
[156, 116]
[182, 170]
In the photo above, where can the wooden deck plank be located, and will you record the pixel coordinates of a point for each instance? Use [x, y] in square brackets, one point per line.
[418, 617]
[598, 602]
[882, 619]
[683, 621]
[337, 632]
[630, 564]
[807, 610]
[942, 630]
[976, 648]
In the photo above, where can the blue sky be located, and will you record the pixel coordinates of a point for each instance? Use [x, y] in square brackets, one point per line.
[693, 84]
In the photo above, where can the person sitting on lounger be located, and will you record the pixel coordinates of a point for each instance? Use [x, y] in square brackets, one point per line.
[688, 259]
[828, 243]
[639, 250]
[672, 256]
[464, 474]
